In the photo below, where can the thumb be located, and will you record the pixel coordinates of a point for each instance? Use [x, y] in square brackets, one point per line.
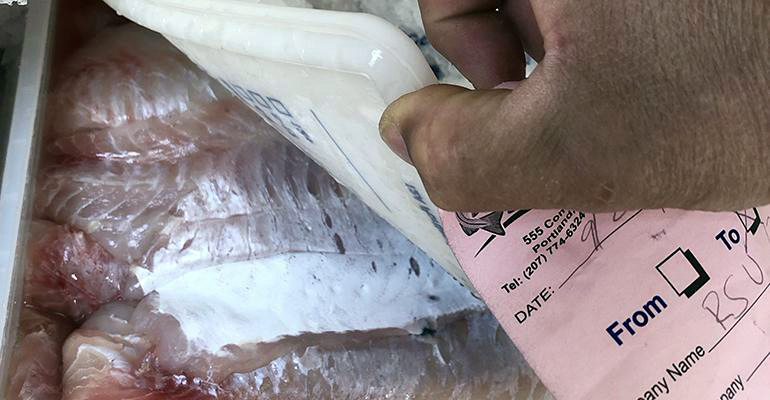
[478, 150]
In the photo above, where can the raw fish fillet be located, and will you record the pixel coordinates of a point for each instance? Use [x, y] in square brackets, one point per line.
[243, 178]
[106, 359]
[124, 207]
[68, 273]
[470, 358]
[271, 199]
[215, 126]
[262, 198]
[130, 95]
[132, 209]
[36, 367]
[129, 208]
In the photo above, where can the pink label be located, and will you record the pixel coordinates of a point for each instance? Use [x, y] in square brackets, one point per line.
[646, 305]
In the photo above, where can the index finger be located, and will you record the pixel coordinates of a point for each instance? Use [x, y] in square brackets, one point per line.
[477, 38]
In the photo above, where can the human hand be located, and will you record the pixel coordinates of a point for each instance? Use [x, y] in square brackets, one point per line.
[634, 105]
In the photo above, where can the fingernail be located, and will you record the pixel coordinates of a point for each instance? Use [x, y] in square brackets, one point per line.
[392, 137]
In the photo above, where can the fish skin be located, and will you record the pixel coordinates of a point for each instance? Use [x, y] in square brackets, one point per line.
[35, 368]
[467, 358]
[70, 274]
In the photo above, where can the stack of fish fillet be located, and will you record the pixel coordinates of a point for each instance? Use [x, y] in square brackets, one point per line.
[181, 249]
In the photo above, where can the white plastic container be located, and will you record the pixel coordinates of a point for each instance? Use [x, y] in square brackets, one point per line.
[322, 78]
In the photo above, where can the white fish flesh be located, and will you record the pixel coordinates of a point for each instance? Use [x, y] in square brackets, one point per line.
[130, 95]
[468, 358]
[260, 199]
[35, 369]
[216, 126]
[70, 274]
[268, 195]
[124, 207]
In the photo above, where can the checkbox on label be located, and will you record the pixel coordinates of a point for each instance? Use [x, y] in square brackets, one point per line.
[683, 272]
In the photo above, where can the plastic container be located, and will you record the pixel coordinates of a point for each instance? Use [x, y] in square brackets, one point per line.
[20, 161]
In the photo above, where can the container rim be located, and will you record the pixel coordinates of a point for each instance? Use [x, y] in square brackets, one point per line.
[19, 162]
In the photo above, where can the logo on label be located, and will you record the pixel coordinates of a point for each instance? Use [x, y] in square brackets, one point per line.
[472, 223]
[492, 223]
